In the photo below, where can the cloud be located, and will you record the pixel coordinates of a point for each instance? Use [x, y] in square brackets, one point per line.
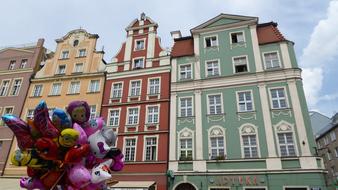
[319, 54]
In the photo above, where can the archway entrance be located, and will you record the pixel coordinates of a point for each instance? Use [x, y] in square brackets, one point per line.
[185, 186]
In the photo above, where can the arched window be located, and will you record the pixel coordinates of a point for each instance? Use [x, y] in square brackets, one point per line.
[186, 145]
[217, 143]
[285, 139]
[249, 141]
[75, 43]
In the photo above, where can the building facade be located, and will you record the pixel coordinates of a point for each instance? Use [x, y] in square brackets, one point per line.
[136, 105]
[328, 149]
[238, 116]
[318, 121]
[74, 72]
[17, 65]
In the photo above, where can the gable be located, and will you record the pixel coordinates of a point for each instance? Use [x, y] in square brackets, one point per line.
[223, 21]
[13, 52]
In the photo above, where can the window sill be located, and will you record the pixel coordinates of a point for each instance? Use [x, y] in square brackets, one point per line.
[212, 76]
[273, 69]
[71, 94]
[51, 95]
[35, 96]
[94, 92]
[139, 49]
[63, 58]
[185, 117]
[251, 111]
[211, 47]
[77, 73]
[281, 109]
[242, 73]
[80, 56]
[289, 157]
[219, 114]
[59, 74]
[131, 125]
[186, 80]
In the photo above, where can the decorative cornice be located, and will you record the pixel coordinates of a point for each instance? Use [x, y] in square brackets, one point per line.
[138, 72]
[16, 71]
[65, 77]
[77, 31]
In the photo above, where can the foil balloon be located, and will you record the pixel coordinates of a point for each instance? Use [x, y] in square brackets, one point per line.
[93, 125]
[68, 137]
[100, 142]
[117, 156]
[79, 111]
[83, 139]
[76, 153]
[101, 172]
[31, 183]
[61, 119]
[42, 121]
[47, 148]
[27, 158]
[78, 175]
[21, 130]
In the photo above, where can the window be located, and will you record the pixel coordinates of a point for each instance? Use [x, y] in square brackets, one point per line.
[212, 68]
[186, 149]
[333, 171]
[113, 119]
[78, 67]
[92, 111]
[326, 140]
[245, 101]
[11, 65]
[56, 89]
[76, 43]
[135, 88]
[154, 86]
[23, 63]
[240, 64]
[74, 87]
[8, 110]
[37, 90]
[61, 69]
[16, 87]
[139, 44]
[30, 114]
[130, 150]
[82, 52]
[271, 60]
[336, 151]
[153, 113]
[217, 148]
[150, 148]
[65, 55]
[4, 87]
[286, 144]
[138, 63]
[278, 98]
[328, 156]
[50, 112]
[249, 141]
[215, 104]
[186, 107]
[132, 116]
[117, 90]
[211, 41]
[237, 37]
[333, 135]
[94, 86]
[185, 72]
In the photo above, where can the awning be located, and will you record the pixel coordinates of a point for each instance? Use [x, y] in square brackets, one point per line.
[137, 185]
[10, 183]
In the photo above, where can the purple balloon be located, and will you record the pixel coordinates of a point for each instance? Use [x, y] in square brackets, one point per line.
[79, 176]
[83, 139]
[93, 125]
[31, 183]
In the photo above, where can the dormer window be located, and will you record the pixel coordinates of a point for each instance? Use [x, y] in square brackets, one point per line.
[237, 37]
[11, 65]
[65, 55]
[139, 45]
[75, 43]
[138, 63]
[23, 63]
[211, 41]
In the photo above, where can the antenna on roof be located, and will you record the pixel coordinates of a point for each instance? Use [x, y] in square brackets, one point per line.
[143, 16]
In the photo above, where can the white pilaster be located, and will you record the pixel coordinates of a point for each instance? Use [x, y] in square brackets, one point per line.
[174, 70]
[151, 45]
[172, 129]
[285, 55]
[198, 125]
[197, 71]
[196, 44]
[173, 166]
[255, 47]
[308, 163]
[126, 67]
[267, 120]
[273, 163]
[127, 53]
[302, 136]
[199, 166]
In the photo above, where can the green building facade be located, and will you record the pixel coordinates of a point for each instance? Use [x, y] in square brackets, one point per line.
[239, 118]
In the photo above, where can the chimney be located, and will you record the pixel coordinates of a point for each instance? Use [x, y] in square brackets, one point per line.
[176, 34]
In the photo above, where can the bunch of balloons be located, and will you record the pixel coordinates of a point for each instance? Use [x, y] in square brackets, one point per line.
[67, 151]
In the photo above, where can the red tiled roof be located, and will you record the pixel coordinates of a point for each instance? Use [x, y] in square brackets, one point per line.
[269, 33]
[183, 47]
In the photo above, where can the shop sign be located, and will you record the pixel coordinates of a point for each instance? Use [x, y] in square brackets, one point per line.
[236, 180]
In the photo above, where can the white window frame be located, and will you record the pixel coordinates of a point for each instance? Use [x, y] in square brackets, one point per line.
[58, 69]
[284, 129]
[33, 90]
[12, 86]
[137, 58]
[145, 147]
[191, 71]
[192, 106]
[62, 53]
[96, 111]
[7, 89]
[239, 31]
[130, 88]
[326, 140]
[82, 55]
[27, 114]
[333, 136]
[118, 117]
[75, 68]
[77, 91]
[138, 116]
[51, 89]
[243, 129]
[89, 86]
[11, 65]
[206, 67]
[220, 135]
[210, 36]
[149, 85]
[112, 89]
[147, 114]
[23, 63]
[328, 156]
[264, 61]
[186, 133]
[336, 151]
[247, 64]
[286, 97]
[4, 109]
[138, 40]
[208, 103]
[252, 101]
[124, 147]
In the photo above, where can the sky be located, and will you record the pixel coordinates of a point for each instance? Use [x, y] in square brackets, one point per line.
[311, 24]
